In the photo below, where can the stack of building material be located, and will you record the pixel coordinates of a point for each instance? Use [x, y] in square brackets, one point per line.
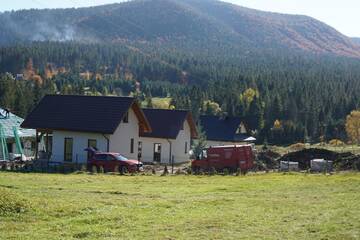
[321, 165]
[289, 166]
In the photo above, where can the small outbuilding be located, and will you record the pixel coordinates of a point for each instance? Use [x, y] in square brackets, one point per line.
[170, 139]
[9, 123]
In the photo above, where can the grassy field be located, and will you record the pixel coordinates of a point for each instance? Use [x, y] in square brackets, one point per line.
[267, 206]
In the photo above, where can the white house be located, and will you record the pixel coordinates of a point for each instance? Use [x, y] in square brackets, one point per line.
[222, 131]
[72, 123]
[170, 139]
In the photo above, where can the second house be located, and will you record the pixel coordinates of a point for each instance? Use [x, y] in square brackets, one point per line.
[170, 139]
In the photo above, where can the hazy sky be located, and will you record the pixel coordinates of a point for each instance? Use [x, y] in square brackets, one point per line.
[344, 15]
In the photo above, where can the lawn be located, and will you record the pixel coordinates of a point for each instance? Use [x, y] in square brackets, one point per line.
[264, 206]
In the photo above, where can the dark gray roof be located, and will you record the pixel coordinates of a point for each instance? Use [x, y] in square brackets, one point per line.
[79, 113]
[167, 123]
[222, 129]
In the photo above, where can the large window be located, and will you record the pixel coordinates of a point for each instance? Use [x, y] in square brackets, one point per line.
[157, 152]
[68, 149]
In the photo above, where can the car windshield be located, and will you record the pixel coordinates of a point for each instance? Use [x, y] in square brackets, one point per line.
[120, 158]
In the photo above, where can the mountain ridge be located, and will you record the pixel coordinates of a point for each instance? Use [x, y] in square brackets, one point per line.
[206, 23]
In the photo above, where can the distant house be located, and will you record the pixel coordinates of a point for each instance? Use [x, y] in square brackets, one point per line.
[8, 121]
[73, 123]
[170, 139]
[224, 131]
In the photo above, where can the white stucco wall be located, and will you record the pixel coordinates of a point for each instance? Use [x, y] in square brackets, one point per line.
[120, 141]
[148, 149]
[179, 144]
[178, 147]
[80, 142]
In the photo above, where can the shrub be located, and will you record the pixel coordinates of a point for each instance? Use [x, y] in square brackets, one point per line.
[226, 172]
[212, 171]
[94, 170]
[336, 142]
[179, 172]
[166, 171]
[297, 146]
[12, 204]
[83, 168]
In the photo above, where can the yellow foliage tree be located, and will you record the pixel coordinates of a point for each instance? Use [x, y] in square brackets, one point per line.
[248, 95]
[277, 124]
[353, 126]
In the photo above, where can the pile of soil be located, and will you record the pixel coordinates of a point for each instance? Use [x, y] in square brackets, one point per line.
[342, 161]
[267, 160]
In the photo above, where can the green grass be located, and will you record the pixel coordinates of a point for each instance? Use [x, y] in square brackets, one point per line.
[268, 206]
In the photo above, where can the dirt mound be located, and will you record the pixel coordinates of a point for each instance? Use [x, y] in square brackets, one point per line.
[267, 160]
[342, 161]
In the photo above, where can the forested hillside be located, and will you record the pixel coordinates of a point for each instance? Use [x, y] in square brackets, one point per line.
[192, 23]
[291, 78]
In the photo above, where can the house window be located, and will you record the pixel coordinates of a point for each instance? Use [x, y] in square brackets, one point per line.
[126, 118]
[92, 143]
[157, 152]
[139, 150]
[132, 145]
[186, 147]
[68, 149]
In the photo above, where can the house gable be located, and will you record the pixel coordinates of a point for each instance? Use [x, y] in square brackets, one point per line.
[168, 123]
[228, 129]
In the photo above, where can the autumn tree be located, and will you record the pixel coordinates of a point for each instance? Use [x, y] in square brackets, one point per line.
[353, 126]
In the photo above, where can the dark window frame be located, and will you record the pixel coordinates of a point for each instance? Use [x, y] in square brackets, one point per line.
[68, 157]
[159, 152]
[186, 147]
[132, 142]
[126, 117]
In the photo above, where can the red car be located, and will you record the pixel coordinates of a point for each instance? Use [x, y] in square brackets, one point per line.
[230, 157]
[112, 162]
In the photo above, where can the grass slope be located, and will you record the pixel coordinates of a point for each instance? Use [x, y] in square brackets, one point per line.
[273, 206]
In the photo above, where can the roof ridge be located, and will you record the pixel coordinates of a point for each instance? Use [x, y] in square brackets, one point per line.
[90, 96]
[169, 110]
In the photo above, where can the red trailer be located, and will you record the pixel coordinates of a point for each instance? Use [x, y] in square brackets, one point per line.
[232, 158]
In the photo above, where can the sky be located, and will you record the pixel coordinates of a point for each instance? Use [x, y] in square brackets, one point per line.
[343, 15]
